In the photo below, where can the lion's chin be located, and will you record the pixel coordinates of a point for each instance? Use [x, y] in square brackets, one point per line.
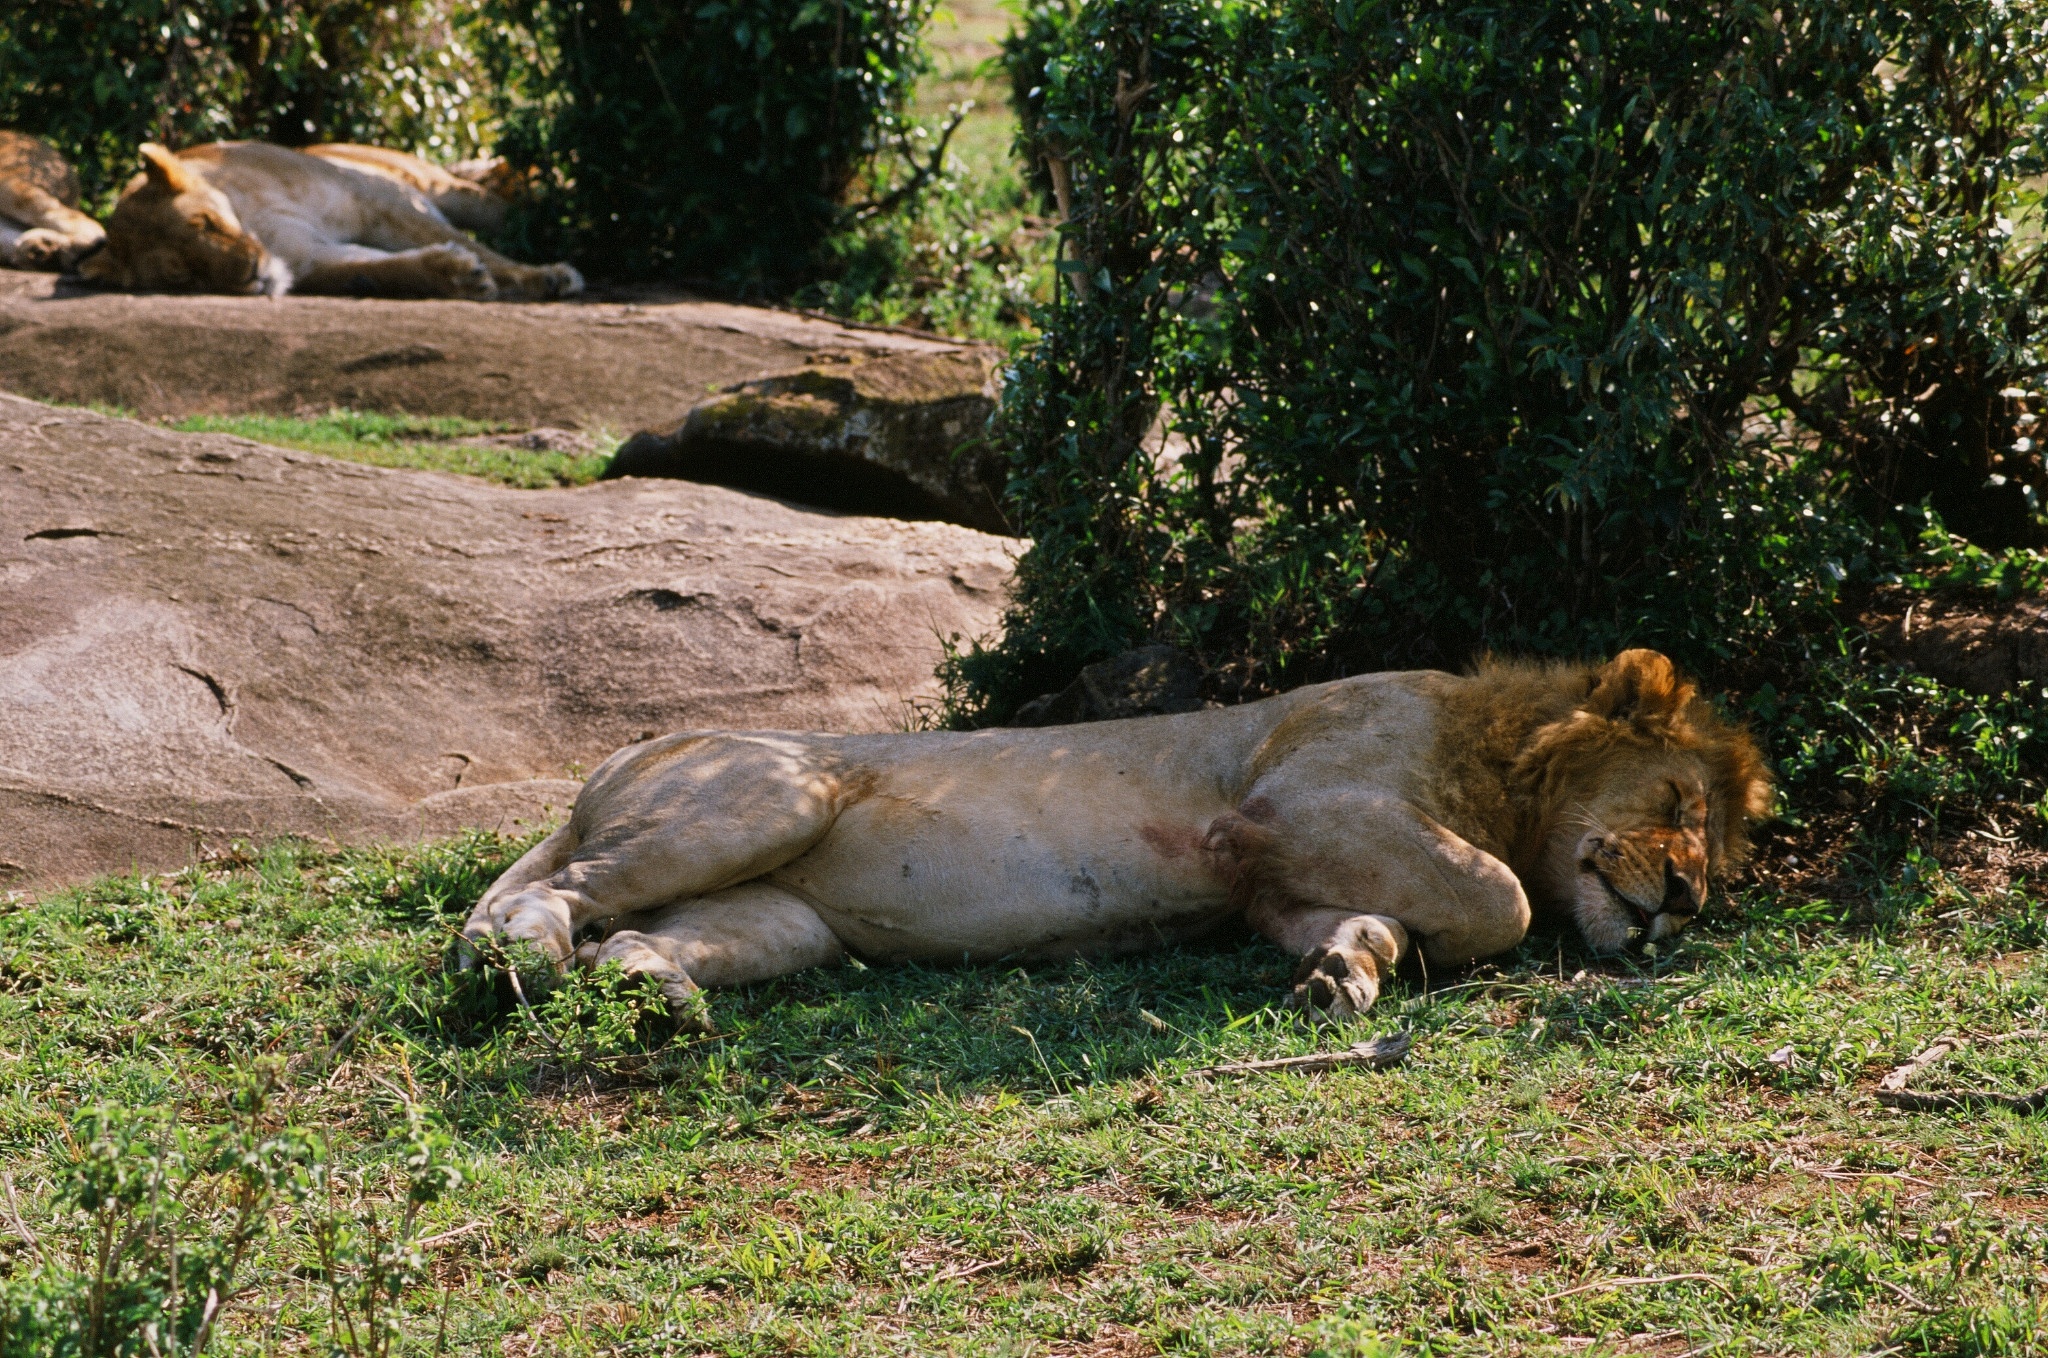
[1604, 922]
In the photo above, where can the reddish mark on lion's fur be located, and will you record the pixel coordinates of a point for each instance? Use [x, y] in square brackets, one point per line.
[1171, 841]
[1258, 810]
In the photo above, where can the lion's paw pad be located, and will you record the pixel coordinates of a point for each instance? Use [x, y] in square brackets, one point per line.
[465, 273]
[1334, 987]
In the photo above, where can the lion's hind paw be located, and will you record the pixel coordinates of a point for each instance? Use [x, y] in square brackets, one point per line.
[559, 280]
[638, 955]
[1336, 985]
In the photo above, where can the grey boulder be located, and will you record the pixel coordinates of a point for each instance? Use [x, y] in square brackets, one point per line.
[204, 638]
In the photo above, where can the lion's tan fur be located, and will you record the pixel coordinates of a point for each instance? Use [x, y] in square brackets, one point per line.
[472, 204]
[1346, 821]
[244, 217]
[41, 226]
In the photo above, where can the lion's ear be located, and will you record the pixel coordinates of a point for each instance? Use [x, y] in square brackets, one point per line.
[1638, 686]
[166, 172]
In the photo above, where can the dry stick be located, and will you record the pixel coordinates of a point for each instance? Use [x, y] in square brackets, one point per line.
[1377, 1054]
[1892, 1091]
[429, 1242]
[28, 1237]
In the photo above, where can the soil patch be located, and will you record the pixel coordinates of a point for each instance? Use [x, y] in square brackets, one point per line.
[1981, 645]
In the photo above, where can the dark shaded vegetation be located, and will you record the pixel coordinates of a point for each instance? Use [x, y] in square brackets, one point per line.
[714, 142]
[1392, 332]
[99, 77]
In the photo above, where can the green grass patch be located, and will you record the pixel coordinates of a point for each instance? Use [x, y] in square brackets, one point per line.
[1577, 1158]
[419, 442]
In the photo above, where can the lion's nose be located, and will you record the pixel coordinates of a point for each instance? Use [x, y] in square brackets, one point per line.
[1681, 897]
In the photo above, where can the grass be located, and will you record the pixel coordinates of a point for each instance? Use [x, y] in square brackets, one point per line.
[1578, 1158]
[422, 442]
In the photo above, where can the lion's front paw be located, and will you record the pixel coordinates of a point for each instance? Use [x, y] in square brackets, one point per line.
[1336, 985]
[41, 248]
[462, 273]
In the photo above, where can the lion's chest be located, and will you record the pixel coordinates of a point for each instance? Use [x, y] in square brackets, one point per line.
[978, 877]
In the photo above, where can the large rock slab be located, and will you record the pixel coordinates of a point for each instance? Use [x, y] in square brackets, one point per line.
[899, 434]
[203, 637]
[580, 364]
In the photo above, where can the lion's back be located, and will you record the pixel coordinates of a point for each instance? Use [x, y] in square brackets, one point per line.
[281, 179]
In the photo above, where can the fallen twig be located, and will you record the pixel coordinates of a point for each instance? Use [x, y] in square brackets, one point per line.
[429, 1242]
[1377, 1054]
[21, 1229]
[1892, 1091]
[955, 1274]
[1908, 1298]
[1937, 1051]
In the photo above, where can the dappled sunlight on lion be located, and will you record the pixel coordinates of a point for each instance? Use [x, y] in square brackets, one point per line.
[244, 217]
[1348, 822]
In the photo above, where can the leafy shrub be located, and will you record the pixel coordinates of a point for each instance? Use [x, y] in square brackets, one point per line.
[1392, 331]
[437, 882]
[708, 139]
[98, 77]
[165, 1218]
[159, 1224]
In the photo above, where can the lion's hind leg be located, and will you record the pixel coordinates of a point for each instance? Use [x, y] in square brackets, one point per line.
[751, 932]
[671, 820]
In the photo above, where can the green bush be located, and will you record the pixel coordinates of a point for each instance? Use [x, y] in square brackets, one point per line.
[713, 139]
[1391, 331]
[98, 77]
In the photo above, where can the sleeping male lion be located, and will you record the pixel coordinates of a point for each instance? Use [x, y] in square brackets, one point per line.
[244, 217]
[1344, 821]
[40, 224]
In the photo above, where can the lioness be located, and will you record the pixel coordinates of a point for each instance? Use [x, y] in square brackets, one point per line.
[1344, 820]
[40, 224]
[244, 217]
[470, 203]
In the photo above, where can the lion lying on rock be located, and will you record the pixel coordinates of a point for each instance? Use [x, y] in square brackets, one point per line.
[243, 217]
[472, 204]
[40, 224]
[1345, 821]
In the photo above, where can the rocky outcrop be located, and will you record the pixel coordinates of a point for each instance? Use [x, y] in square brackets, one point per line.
[900, 435]
[584, 364]
[204, 637]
